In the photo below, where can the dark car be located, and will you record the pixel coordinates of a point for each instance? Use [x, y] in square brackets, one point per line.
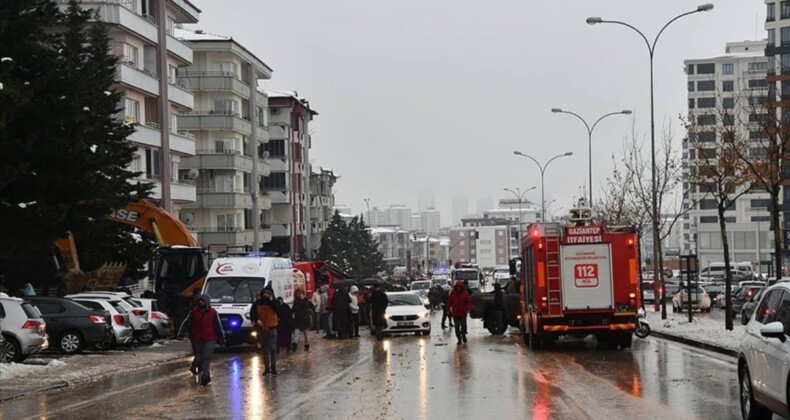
[714, 290]
[748, 308]
[745, 294]
[71, 326]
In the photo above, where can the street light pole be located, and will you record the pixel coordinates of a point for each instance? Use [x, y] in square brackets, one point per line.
[542, 178]
[651, 48]
[520, 196]
[367, 203]
[590, 130]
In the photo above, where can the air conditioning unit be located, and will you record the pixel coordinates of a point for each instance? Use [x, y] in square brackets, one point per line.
[274, 111]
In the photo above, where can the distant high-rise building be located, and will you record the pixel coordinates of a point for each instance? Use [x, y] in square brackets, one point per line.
[399, 215]
[416, 222]
[426, 200]
[484, 204]
[431, 220]
[460, 209]
[377, 217]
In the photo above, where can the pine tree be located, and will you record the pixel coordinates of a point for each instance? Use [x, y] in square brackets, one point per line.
[350, 247]
[63, 153]
[335, 244]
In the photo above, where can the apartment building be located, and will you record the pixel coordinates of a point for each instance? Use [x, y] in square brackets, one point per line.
[393, 244]
[431, 220]
[729, 89]
[399, 215]
[288, 183]
[230, 126]
[322, 201]
[152, 98]
[486, 246]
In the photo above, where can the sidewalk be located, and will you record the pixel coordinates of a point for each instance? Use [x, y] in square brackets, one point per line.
[704, 332]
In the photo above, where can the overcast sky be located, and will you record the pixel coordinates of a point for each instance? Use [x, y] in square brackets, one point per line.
[418, 95]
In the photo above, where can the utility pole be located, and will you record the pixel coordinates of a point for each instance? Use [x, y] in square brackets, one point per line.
[367, 203]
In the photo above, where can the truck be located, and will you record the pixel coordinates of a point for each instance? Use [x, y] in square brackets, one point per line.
[579, 280]
[469, 274]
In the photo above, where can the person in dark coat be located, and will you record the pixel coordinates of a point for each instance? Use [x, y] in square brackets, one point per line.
[446, 308]
[378, 309]
[496, 307]
[341, 312]
[205, 330]
[285, 326]
[301, 319]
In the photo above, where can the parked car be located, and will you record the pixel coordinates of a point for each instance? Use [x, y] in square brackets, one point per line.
[714, 291]
[143, 330]
[748, 308]
[22, 329]
[159, 320]
[745, 294]
[764, 356]
[123, 333]
[699, 300]
[71, 326]
[406, 313]
[648, 290]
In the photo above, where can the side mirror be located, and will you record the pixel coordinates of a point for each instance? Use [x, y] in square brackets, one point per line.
[774, 330]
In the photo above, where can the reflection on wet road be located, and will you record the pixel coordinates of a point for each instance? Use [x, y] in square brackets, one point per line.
[413, 377]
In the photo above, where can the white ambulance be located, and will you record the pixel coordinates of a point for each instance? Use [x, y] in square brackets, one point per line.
[233, 282]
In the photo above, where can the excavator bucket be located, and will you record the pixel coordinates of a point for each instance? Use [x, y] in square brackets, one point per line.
[105, 278]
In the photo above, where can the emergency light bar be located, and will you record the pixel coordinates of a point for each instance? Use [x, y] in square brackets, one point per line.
[254, 254]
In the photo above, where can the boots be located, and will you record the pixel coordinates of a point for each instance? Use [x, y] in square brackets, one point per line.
[306, 347]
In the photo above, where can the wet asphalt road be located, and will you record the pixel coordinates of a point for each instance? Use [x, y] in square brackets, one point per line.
[408, 377]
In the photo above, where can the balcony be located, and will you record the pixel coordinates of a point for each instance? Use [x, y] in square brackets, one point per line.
[180, 48]
[183, 143]
[116, 12]
[213, 198]
[264, 168]
[131, 76]
[219, 159]
[264, 201]
[280, 230]
[179, 95]
[214, 81]
[224, 236]
[214, 120]
[279, 164]
[186, 12]
[278, 196]
[180, 191]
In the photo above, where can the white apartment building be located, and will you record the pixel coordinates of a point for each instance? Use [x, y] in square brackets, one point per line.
[399, 215]
[416, 222]
[733, 83]
[322, 201]
[430, 220]
[230, 126]
[486, 246]
[393, 244]
[377, 217]
[152, 101]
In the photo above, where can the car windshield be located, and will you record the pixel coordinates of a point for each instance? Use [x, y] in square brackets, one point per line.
[465, 275]
[405, 299]
[233, 289]
[117, 305]
[420, 285]
[132, 302]
[439, 282]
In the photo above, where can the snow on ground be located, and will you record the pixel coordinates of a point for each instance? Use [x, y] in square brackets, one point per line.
[12, 370]
[706, 330]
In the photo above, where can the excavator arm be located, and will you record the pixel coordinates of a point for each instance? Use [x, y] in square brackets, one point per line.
[145, 215]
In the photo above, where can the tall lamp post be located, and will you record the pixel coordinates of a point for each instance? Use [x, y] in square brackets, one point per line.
[367, 203]
[651, 48]
[590, 129]
[520, 196]
[542, 178]
[555, 212]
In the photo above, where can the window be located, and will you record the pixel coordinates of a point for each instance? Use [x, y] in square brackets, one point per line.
[766, 312]
[129, 55]
[276, 148]
[174, 123]
[708, 68]
[131, 111]
[758, 84]
[275, 181]
[745, 240]
[228, 222]
[709, 240]
[226, 107]
[709, 219]
[706, 102]
[728, 86]
[728, 103]
[224, 146]
[171, 25]
[760, 66]
[691, 87]
[783, 315]
[772, 37]
[760, 203]
[785, 62]
[770, 12]
[226, 68]
[706, 85]
[706, 136]
[707, 119]
[759, 117]
[153, 163]
[690, 69]
[727, 68]
[691, 103]
[261, 116]
[49, 307]
[756, 135]
[172, 74]
[707, 204]
[728, 119]
[784, 9]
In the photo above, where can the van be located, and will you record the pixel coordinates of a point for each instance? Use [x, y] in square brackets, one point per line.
[715, 271]
[233, 282]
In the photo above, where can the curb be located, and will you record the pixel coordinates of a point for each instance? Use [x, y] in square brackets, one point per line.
[697, 344]
[82, 381]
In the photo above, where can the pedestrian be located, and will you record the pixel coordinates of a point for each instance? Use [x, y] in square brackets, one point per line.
[316, 302]
[284, 327]
[205, 330]
[494, 309]
[354, 311]
[460, 304]
[264, 316]
[300, 320]
[341, 312]
[445, 307]
[193, 303]
[378, 308]
[323, 311]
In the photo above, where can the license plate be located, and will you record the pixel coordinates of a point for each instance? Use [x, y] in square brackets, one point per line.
[405, 323]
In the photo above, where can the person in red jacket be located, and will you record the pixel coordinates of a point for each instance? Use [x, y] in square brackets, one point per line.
[460, 304]
[205, 330]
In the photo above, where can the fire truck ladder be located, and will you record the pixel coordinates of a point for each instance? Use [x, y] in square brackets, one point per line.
[552, 235]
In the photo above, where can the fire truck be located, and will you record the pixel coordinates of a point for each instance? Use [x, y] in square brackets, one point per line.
[579, 280]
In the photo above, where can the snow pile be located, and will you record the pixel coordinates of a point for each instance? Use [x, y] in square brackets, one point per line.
[703, 329]
[13, 370]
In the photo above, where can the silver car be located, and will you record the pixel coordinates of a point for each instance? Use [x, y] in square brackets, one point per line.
[23, 329]
[123, 333]
[160, 322]
[137, 315]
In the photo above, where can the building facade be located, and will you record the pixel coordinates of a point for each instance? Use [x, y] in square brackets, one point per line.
[726, 90]
[486, 246]
[229, 124]
[460, 209]
[399, 215]
[322, 203]
[431, 221]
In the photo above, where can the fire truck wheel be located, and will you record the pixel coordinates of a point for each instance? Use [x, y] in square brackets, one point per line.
[625, 340]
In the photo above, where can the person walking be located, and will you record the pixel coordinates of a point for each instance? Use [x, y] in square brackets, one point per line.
[341, 312]
[316, 302]
[354, 314]
[378, 310]
[445, 307]
[205, 330]
[284, 326]
[301, 320]
[323, 311]
[460, 304]
[264, 316]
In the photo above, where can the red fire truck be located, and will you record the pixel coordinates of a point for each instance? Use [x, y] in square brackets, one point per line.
[579, 280]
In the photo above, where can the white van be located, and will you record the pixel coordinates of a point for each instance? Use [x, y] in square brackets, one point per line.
[715, 271]
[232, 283]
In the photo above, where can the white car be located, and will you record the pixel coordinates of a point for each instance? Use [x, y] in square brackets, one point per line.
[159, 320]
[764, 356]
[123, 333]
[699, 300]
[143, 330]
[23, 329]
[406, 313]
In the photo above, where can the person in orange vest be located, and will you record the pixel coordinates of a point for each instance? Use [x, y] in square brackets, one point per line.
[264, 316]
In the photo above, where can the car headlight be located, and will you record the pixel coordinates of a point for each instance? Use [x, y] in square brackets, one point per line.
[247, 315]
[426, 314]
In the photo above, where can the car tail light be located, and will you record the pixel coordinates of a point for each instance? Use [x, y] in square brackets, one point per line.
[139, 312]
[97, 319]
[118, 319]
[33, 325]
[158, 315]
